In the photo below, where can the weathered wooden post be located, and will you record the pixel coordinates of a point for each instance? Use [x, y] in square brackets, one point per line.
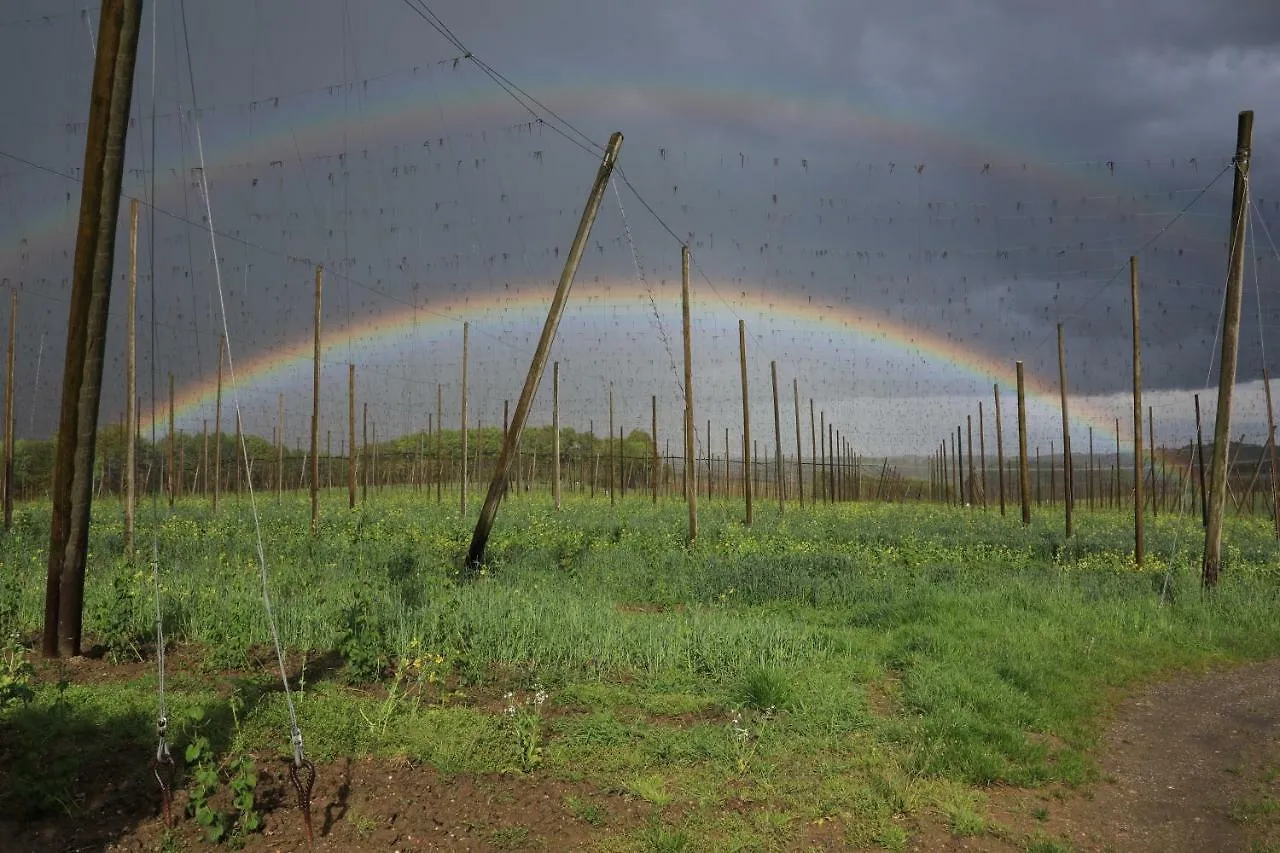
[475, 555]
[1068, 467]
[746, 419]
[1230, 350]
[691, 469]
[466, 331]
[1138, 497]
[1024, 476]
[999, 447]
[131, 391]
[777, 438]
[315, 412]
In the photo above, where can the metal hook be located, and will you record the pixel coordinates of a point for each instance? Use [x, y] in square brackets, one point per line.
[165, 770]
[302, 783]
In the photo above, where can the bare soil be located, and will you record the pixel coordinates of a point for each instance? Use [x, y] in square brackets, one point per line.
[1189, 764]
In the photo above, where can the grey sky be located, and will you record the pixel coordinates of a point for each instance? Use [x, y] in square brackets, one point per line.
[976, 170]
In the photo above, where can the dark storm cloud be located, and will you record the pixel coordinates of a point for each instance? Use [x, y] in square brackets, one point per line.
[988, 259]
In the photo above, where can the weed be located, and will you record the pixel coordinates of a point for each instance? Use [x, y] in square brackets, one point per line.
[762, 687]
[16, 674]
[524, 721]
[586, 811]
[509, 837]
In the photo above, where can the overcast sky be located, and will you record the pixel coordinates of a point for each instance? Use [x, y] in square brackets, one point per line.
[966, 174]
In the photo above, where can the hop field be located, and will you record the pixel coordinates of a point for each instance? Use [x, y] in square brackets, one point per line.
[845, 671]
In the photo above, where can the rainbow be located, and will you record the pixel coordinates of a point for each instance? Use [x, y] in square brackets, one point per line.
[598, 304]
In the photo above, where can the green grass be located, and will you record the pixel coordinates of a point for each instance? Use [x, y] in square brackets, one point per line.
[997, 644]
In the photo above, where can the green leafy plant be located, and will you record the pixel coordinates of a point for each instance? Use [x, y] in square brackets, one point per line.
[524, 721]
[16, 674]
[204, 786]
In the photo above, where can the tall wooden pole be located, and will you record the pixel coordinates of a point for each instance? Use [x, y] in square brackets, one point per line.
[131, 392]
[795, 394]
[279, 447]
[1151, 454]
[1117, 465]
[109, 105]
[555, 434]
[1024, 476]
[746, 418]
[613, 496]
[173, 437]
[315, 412]
[777, 437]
[1230, 349]
[1092, 480]
[364, 453]
[1068, 467]
[466, 331]
[653, 400]
[822, 456]
[709, 455]
[690, 466]
[973, 498]
[813, 459]
[1204, 492]
[475, 555]
[204, 458]
[982, 454]
[439, 442]
[236, 467]
[1138, 497]
[217, 425]
[351, 436]
[1271, 433]
[999, 447]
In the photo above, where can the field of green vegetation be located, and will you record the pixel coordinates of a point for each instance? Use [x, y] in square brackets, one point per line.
[858, 666]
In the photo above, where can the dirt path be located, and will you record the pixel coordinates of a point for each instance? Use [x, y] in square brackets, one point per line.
[1187, 765]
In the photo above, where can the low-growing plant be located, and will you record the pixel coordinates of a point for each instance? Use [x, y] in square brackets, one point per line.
[16, 674]
[524, 721]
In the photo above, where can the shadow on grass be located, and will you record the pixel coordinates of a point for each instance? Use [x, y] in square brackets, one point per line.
[76, 762]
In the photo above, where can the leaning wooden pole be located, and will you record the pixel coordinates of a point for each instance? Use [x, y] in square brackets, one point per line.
[746, 419]
[1024, 476]
[1068, 466]
[1138, 499]
[315, 412]
[982, 454]
[1271, 434]
[475, 555]
[999, 447]
[1230, 351]
[130, 392]
[690, 466]
[110, 96]
[777, 438]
